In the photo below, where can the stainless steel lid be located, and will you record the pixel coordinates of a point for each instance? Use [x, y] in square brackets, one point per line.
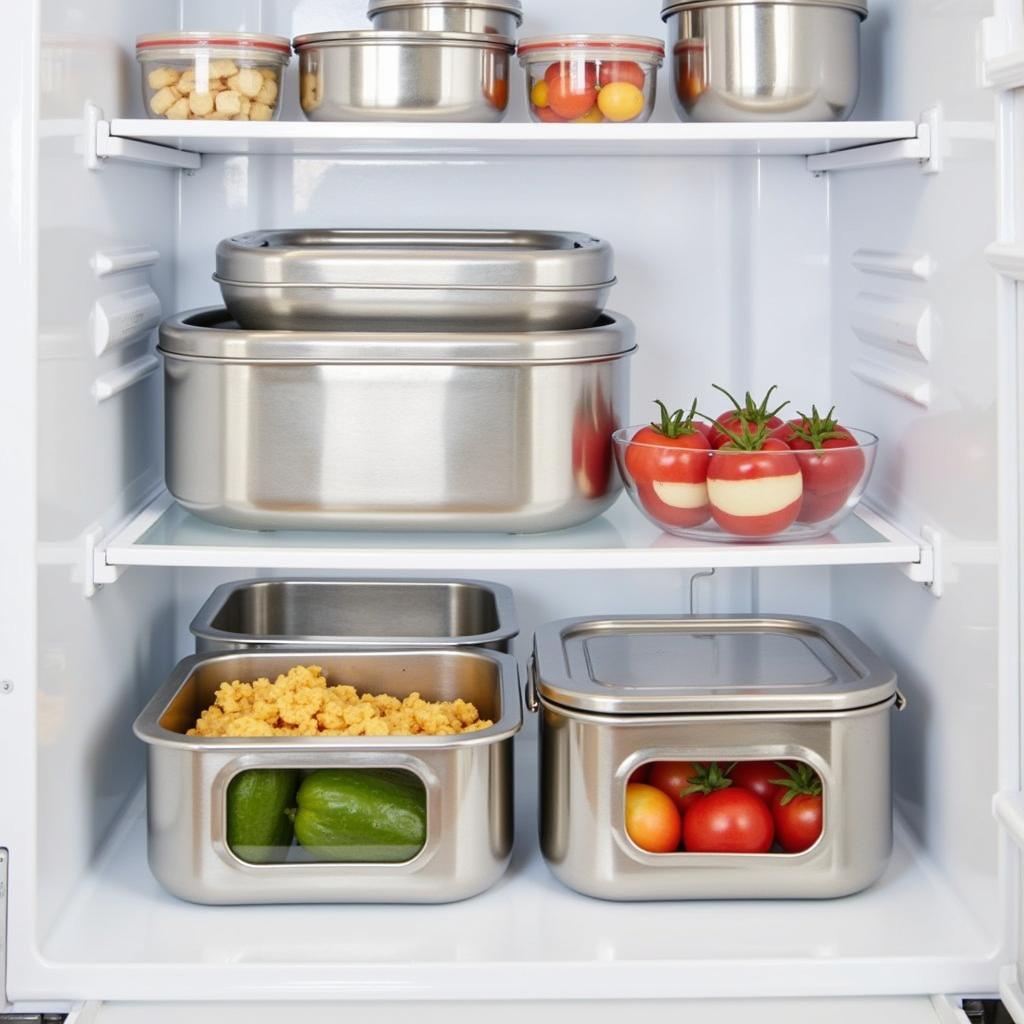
[667, 665]
[211, 334]
[509, 6]
[675, 7]
[371, 37]
[430, 259]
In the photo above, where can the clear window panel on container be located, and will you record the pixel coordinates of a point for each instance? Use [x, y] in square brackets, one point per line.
[726, 807]
[326, 816]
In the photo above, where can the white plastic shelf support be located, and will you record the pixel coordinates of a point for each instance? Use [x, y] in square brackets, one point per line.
[923, 149]
[101, 146]
[1007, 259]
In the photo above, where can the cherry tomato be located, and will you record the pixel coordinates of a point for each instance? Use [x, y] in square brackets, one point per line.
[592, 457]
[652, 821]
[547, 114]
[668, 462]
[798, 824]
[622, 71]
[797, 806]
[539, 94]
[757, 777]
[592, 116]
[641, 774]
[621, 101]
[745, 418]
[497, 95]
[728, 821]
[755, 487]
[578, 70]
[674, 778]
[571, 95]
[831, 461]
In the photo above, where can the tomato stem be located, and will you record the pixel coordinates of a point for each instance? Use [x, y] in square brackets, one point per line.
[745, 442]
[802, 780]
[750, 411]
[817, 429]
[708, 778]
[676, 424]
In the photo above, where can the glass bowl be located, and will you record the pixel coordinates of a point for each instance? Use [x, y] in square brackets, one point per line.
[735, 496]
[591, 79]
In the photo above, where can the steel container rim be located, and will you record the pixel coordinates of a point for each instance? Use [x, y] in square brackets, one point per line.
[202, 626]
[363, 37]
[505, 6]
[428, 258]
[148, 729]
[859, 7]
[214, 338]
[552, 289]
[550, 678]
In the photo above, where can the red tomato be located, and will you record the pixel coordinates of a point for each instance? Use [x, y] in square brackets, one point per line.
[652, 821]
[831, 461]
[747, 418]
[580, 71]
[497, 94]
[728, 821]
[592, 457]
[622, 71]
[572, 94]
[797, 807]
[798, 824]
[675, 778]
[757, 777]
[641, 774]
[668, 462]
[755, 488]
[547, 114]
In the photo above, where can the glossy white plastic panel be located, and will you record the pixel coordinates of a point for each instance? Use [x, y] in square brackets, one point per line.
[942, 460]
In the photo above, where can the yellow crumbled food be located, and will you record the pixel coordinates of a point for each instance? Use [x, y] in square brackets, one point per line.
[301, 703]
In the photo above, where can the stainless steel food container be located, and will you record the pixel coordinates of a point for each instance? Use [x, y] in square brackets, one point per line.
[752, 60]
[314, 280]
[614, 694]
[467, 779]
[404, 76]
[488, 432]
[350, 614]
[496, 17]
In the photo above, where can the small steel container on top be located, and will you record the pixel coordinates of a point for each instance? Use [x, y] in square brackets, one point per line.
[466, 778]
[617, 693]
[348, 614]
[494, 17]
[765, 60]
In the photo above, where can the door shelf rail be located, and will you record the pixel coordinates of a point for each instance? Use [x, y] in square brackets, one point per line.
[162, 533]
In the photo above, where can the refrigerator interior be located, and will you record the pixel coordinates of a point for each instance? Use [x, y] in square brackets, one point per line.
[747, 271]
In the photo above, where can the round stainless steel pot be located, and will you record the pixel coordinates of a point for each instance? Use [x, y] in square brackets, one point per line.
[404, 76]
[493, 17]
[746, 60]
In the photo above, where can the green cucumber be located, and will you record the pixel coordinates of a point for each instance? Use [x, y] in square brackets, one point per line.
[261, 804]
[356, 815]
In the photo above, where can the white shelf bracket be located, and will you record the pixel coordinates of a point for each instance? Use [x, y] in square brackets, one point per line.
[927, 570]
[925, 149]
[101, 146]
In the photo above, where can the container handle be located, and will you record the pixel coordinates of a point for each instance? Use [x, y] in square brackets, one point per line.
[532, 703]
[901, 701]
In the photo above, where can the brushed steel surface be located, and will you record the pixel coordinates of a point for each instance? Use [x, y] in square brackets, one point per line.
[468, 780]
[493, 17]
[765, 61]
[709, 664]
[586, 762]
[414, 280]
[363, 432]
[356, 613]
[405, 76]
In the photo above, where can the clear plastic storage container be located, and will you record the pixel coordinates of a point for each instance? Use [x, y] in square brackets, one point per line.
[591, 79]
[212, 76]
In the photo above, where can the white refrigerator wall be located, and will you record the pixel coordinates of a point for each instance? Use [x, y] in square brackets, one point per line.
[735, 271]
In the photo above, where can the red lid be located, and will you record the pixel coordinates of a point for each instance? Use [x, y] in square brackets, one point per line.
[224, 40]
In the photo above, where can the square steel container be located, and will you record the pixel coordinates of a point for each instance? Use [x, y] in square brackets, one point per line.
[350, 614]
[501, 432]
[614, 694]
[467, 779]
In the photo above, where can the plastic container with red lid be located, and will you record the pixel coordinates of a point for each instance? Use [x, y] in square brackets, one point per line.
[212, 76]
[589, 79]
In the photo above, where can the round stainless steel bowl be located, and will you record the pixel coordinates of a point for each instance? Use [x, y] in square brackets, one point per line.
[750, 60]
[404, 76]
[494, 17]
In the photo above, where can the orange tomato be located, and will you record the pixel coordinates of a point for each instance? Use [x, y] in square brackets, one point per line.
[497, 95]
[571, 95]
[581, 71]
[622, 71]
[547, 114]
[652, 820]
